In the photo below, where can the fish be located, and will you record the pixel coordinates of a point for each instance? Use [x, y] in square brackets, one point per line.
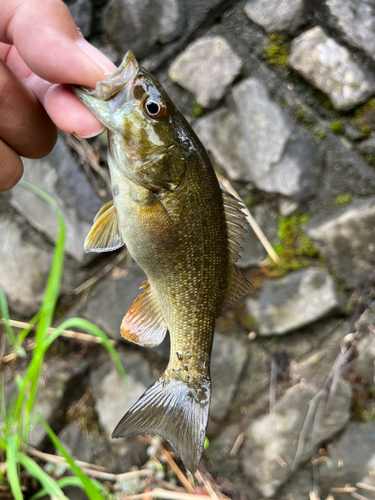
[184, 231]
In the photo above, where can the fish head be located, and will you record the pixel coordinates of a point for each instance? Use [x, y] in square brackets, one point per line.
[135, 109]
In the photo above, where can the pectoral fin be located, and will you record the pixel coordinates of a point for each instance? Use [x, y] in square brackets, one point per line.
[104, 235]
[144, 322]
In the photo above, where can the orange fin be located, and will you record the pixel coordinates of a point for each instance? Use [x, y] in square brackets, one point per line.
[144, 322]
[236, 220]
[238, 286]
[104, 235]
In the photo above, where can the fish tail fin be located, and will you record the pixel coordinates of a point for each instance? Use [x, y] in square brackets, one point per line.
[176, 411]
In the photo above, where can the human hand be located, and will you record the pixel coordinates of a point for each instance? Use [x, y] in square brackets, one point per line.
[41, 49]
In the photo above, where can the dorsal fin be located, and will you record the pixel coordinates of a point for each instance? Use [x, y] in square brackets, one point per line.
[144, 323]
[104, 235]
[236, 220]
[238, 286]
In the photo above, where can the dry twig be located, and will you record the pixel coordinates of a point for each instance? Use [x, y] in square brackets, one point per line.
[86, 337]
[177, 471]
[168, 495]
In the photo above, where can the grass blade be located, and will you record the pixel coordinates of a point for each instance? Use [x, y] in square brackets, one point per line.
[44, 479]
[47, 310]
[89, 487]
[4, 311]
[12, 472]
[71, 481]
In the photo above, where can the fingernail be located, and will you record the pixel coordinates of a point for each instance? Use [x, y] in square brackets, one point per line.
[88, 136]
[95, 55]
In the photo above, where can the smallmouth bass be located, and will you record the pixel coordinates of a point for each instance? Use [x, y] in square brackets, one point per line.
[184, 231]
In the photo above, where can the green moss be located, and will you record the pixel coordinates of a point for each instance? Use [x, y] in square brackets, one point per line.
[295, 250]
[343, 199]
[300, 113]
[336, 127]
[324, 101]
[277, 50]
[249, 202]
[320, 135]
[364, 117]
[196, 109]
[370, 158]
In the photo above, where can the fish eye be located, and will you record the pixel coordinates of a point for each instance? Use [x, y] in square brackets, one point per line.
[154, 109]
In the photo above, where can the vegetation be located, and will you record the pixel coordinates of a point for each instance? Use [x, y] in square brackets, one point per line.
[196, 109]
[343, 199]
[277, 50]
[295, 250]
[336, 127]
[17, 418]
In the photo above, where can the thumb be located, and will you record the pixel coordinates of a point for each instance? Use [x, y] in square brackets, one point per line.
[49, 42]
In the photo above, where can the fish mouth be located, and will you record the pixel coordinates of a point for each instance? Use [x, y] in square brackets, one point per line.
[96, 99]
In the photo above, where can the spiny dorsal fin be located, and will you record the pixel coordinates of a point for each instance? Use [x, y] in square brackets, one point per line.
[238, 286]
[236, 220]
[104, 235]
[144, 323]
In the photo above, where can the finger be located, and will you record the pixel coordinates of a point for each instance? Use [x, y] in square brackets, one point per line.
[49, 42]
[24, 125]
[65, 110]
[11, 167]
[68, 114]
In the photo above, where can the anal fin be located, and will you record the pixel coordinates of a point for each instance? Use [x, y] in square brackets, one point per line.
[238, 286]
[104, 235]
[144, 323]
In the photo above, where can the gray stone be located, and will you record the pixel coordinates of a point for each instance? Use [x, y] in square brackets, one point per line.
[347, 240]
[82, 445]
[58, 377]
[59, 176]
[81, 11]
[227, 361]
[206, 68]
[238, 137]
[138, 25]
[113, 399]
[271, 445]
[294, 301]
[24, 267]
[351, 460]
[277, 15]
[356, 20]
[111, 299]
[330, 67]
[218, 452]
[253, 251]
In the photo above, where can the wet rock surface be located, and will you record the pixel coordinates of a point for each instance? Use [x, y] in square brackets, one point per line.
[288, 164]
[59, 175]
[351, 460]
[355, 20]
[272, 442]
[139, 25]
[347, 240]
[276, 15]
[282, 305]
[330, 67]
[206, 68]
[24, 266]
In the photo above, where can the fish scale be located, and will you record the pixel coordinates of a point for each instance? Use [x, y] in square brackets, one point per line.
[183, 231]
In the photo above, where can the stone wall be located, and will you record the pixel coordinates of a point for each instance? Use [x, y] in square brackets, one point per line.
[280, 93]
